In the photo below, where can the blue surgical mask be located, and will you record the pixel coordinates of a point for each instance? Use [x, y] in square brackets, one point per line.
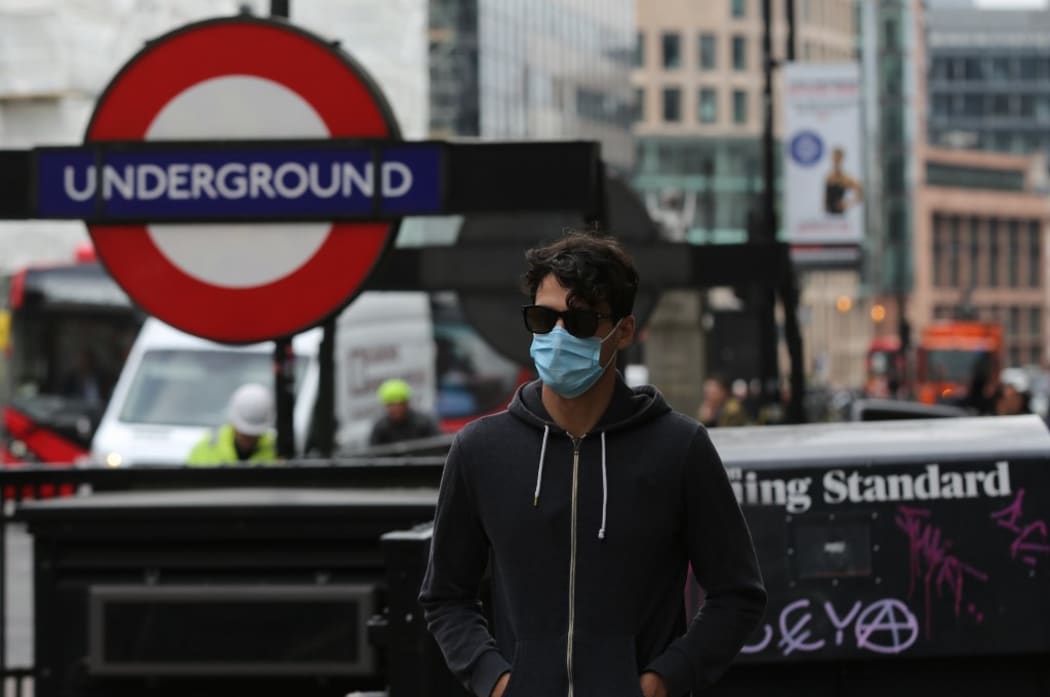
[568, 364]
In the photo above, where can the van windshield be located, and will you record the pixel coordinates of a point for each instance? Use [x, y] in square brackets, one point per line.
[176, 387]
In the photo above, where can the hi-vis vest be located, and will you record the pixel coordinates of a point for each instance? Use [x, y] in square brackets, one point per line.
[217, 448]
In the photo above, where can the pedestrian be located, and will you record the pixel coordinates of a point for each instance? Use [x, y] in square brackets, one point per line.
[588, 500]
[1013, 397]
[400, 421]
[246, 437]
[720, 407]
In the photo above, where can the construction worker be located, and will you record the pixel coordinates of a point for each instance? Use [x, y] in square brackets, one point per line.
[401, 422]
[247, 437]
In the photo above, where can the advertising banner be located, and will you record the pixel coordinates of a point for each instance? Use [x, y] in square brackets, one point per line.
[823, 161]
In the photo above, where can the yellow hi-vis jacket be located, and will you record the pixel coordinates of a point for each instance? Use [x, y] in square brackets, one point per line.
[217, 448]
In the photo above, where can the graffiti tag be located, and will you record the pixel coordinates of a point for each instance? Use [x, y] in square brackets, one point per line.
[1029, 539]
[885, 626]
[931, 562]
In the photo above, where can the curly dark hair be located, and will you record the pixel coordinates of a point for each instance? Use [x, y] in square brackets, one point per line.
[594, 268]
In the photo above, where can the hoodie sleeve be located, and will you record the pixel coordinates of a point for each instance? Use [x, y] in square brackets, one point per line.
[459, 552]
[725, 564]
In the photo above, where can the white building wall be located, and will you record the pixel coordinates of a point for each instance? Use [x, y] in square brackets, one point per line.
[56, 57]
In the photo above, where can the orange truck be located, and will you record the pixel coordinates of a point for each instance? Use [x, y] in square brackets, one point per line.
[956, 356]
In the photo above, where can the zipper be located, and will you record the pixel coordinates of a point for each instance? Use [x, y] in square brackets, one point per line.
[572, 560]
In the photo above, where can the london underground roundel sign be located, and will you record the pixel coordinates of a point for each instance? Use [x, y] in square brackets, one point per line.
[232, 79]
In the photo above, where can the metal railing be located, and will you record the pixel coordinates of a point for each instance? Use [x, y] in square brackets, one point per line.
[390, 467]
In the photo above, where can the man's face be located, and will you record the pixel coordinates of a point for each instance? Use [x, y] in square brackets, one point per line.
[714, 393]
[554, 295]
[1010, 402]
[397, 411]
[245, 442]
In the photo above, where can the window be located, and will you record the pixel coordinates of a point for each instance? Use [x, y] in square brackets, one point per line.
[973, 105]
[974, 69]
[939, 69]
[639, 49]
[738, 8]
[739, 106]
[672, 104]
[671, 44]
[708, 51]
[975, 252]
[1035, 322]
[1028, 68]
[954, 252]
[707, 105]
[1013, 324]
[1013, 250]
[739, 53]
[1036, 356]
[1001, 69]
[938, 252]
[1035, 254]
[183, 387]
[891, 34]
[993, 254]
[639, 104]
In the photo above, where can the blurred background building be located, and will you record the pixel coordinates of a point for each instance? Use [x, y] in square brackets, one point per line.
[989, 78]
[520, 69]
[698, 79]
[980, 237]
[673, 90]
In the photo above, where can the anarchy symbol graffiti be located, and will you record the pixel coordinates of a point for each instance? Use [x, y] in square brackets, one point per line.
[887, 626]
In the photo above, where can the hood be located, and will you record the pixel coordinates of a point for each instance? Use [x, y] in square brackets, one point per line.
[629, 407]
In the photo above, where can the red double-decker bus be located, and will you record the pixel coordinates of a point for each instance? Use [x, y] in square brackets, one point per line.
[69, 327]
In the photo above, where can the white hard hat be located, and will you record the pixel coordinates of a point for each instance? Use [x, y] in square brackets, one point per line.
[1015, 378]
[251, 409]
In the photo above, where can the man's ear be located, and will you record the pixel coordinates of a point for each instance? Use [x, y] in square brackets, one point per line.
[626, 332]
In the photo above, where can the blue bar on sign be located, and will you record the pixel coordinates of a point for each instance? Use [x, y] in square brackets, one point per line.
[173, 184]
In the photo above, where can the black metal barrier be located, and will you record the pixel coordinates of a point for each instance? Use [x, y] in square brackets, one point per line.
[904, 557]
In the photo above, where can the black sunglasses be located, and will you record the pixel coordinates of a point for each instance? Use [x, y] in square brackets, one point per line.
[580, 323]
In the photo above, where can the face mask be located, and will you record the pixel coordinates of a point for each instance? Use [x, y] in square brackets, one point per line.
[568, 364]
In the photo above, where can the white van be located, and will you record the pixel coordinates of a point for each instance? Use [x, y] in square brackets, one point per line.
[175, 387]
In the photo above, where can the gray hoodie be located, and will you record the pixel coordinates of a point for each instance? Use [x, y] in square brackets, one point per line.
[589, 543]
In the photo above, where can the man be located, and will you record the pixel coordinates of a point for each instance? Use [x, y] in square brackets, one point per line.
[590, 499]
[720, 407]
[1014, 395]
[401, 421]
[247, 437]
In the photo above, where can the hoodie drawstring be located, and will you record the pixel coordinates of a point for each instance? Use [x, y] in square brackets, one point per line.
[539, 473]
[605, 491]
[605, 479]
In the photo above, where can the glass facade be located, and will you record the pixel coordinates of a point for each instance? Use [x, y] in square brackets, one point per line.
[989, 80]
[722, 176]
[513, 69]
[957, 177]
[890, 119]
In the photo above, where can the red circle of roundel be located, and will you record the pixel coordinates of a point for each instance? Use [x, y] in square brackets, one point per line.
[342, 96]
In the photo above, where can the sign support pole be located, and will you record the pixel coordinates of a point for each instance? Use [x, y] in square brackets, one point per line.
[283, 354]
[789, 289]
[768, 368]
